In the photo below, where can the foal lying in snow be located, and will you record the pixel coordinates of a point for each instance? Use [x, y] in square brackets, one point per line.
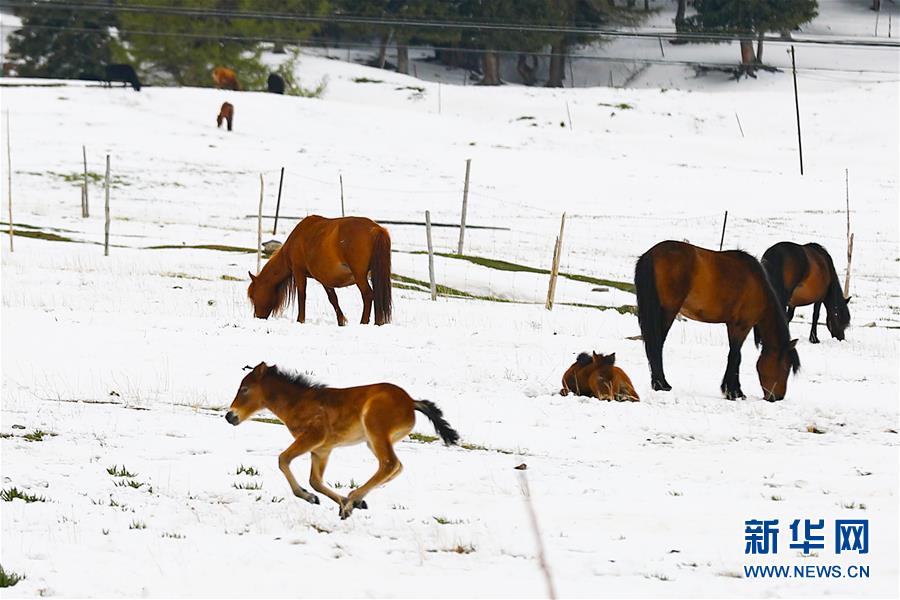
[597, 376]
[322, 418]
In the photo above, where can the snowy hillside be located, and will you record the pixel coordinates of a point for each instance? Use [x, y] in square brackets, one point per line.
[129, 360]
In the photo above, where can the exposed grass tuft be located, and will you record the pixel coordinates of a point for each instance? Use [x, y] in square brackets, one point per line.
[250, 485]
[14, 493]
[137, 525]
[117, 471]
[37, 435]
[423, 438]
[8, 578]
[242, 470]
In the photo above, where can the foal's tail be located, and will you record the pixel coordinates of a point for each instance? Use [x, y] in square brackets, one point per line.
[434, 414]
[381, 276]
[649, 311]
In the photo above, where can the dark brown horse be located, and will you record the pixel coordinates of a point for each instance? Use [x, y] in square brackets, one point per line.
[714, 287]
[322, 418]
[334, 252]
[803, 275]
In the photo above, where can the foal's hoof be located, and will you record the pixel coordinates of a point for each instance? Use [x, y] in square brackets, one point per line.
[361, 504]
[345, 511]
[312, 499]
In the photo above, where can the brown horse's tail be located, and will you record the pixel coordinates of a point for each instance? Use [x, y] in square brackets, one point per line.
[381, 276]
[650, 315]
[434, 414]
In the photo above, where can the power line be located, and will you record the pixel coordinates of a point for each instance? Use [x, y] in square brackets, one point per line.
[440, 24]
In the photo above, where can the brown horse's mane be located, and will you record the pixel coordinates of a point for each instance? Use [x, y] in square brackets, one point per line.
[285, 290]
[293, 378]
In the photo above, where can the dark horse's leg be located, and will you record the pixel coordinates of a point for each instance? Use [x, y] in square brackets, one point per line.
[657, 374]
[731, 385]
[332, 297]
[813, 336]
[790, 313]
[362, 282]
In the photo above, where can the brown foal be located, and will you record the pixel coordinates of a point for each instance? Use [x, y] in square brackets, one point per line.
[322, 418]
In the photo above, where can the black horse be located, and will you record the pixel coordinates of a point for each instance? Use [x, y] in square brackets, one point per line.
[275, 84]
[124, 73]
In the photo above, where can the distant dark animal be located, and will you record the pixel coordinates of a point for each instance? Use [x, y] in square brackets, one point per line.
[597, 376]
[335, 252]
[322, 418]
[124, 73]
[225, 79]
[226, 113]
[803, 275]
[275, 83]
[714, 287]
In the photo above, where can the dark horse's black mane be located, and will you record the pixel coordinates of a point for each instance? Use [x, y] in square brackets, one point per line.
[835, 293]
[298, 379]
[584, 359]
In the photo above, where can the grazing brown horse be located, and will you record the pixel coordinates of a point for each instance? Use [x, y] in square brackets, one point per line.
[322, 418]
[597, 376]
[803, 275]
[714, 287]
[334, 252]
[225, 79]
[226, 113]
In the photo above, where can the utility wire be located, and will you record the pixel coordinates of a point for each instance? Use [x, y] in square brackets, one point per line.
[349, 19]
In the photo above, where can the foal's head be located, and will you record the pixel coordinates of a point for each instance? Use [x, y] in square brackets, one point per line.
[604, 360]
[250, 395]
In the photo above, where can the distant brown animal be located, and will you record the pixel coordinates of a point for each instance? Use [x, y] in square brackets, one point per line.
[225, 79]
[226, 113]
[322, 418]
[803, 275]
[335, 252]
[597, 376]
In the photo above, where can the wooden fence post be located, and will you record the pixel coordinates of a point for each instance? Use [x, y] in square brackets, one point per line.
[85, 209]
[259, 227]
[341, 179]
[554, 271]
[278, 204]
[9, 182]
[849, 235]
[569, 116]
[465, 204]
[106, 226]
[797, 108]
[430, 255]
[722, 239]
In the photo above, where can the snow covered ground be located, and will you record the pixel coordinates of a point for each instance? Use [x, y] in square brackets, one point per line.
[129, 360]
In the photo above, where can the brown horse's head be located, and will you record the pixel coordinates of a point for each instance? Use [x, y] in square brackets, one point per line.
[263, 297]
[250, 396]
[773, 368]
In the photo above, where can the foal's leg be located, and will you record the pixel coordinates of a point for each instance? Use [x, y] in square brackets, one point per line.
[813, 336]
[300, 446]
[362, 282]
[389, 466]
[319, 460]
[731, 385]
[332, 297]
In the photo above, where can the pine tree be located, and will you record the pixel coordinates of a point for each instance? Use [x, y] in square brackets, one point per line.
[61, 43]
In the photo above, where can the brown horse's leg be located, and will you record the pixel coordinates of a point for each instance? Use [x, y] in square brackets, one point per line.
[332, 297]
[389, 466]
[319, 460]
[731, 385]
[300, 282]
[300, 446]
[813, 336]
[362, 282]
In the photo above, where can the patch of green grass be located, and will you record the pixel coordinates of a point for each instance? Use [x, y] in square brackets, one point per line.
[117, 471]
[352, 485]
[137, 525]
[129, 483]
[246, 471]
[422, 437]
[230, 278]
[13, 493]
[95, 178]
[412, 88]
[6, 436]
[173, 536]
[620, 105]
[446, 521]
[470, 446]
[250, 485]
[366, 80]
[443, 290]
[8, 578]
[219, 247]
[42, 235]
[624, 309]
[37, 435]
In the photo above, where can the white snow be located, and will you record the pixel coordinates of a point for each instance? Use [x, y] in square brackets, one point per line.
[130, 359]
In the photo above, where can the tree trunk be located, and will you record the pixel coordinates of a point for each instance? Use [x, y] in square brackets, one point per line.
[679, 20]
[402, 58]
[747, 55]
[876, 5]
[527, 69]
[491, 68]
[557, 65]
[646, 5]
[759, 47]
[382, 51]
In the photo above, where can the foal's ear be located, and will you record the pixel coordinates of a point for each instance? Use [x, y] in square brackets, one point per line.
[261, 369]
[609, 359]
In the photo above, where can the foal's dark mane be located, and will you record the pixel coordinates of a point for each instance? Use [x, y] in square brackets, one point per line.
[296, 379]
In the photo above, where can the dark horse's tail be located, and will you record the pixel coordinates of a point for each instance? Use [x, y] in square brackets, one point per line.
[649, 311]
[434, 414]
[381, 276]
